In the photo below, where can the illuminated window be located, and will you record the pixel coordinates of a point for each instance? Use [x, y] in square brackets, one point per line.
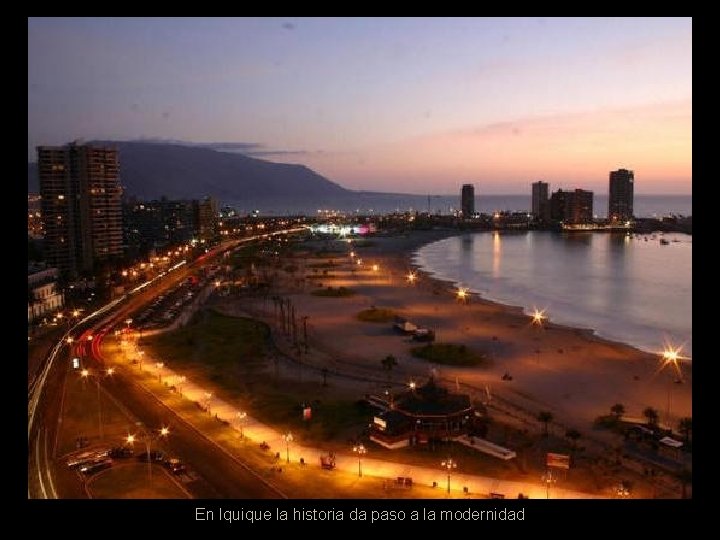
[61, 197]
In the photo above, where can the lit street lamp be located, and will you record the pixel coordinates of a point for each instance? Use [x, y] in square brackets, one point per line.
[462, 294]
[208, 397]
[159, 366]
[448, 465]
[548, 478]
[85, 374]
[288, 437]
[163, 432]
[241, 415]
[360, 450]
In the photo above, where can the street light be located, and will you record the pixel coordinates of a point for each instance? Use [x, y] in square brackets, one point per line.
[538, 316]
[208, 397]
[411, 277]
[360, 450]
[159, 366]
[548, 478]
[288, 437]
[241, 415]
[462, 294]
[85, 374]
[670, 357]
[412, 385]
[163, 432]
[448, 465]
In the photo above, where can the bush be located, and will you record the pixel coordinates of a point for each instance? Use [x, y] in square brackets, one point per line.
[377, 315]
[334, 292]
[450, 354]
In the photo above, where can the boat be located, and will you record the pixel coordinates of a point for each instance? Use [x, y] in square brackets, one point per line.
[664, 242]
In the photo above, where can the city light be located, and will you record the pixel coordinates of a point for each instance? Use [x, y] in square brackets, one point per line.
[538, 316]
[462, 294]
[360, 450]
[411, 277]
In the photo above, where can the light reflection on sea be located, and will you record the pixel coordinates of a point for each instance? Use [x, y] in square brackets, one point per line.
[636, 289]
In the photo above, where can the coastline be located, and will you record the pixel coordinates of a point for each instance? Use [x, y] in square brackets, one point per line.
[593, 332]
[554, 367]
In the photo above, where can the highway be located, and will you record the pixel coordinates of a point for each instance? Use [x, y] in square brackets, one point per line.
[222, 476]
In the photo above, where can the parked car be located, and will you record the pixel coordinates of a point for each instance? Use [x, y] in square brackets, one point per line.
[155, 455]
[175, 466]
[121, 452]
[96, 465]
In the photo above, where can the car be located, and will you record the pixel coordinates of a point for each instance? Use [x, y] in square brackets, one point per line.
[79, 460]
[96, 465]
[175, 466]
[121, 452]
[155, 455]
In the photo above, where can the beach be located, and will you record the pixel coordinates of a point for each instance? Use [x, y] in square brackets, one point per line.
[567, 371]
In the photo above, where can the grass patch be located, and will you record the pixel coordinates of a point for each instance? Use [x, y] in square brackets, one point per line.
[377, 315]
[130, 481]
[214, 339]
[334, 292]
[450, 354]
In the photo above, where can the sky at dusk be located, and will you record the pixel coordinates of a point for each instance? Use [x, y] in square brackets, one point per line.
[401, 105]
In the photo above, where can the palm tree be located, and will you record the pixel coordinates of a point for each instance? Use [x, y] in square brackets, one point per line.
[388, 363]
[617, 410]
[545, 417]
[573, 435]
[651, 415]
[685, 427]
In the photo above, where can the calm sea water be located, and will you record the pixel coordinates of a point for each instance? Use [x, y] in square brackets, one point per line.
[625, 288]
[383, 203]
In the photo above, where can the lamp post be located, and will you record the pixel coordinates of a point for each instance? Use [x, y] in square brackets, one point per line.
[548, 478]
[159, 366]
[669, 358]
[360, 450]
[208, 397]
[240, 416]
[448, 465]
[85, 374]
[181, 380]
[462, 294]
[411, 277]
[288, 437]
[163, 432]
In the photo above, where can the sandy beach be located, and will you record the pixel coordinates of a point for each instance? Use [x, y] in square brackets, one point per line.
[570, 372]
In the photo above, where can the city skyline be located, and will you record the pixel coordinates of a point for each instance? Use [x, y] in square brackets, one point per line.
[422, 105]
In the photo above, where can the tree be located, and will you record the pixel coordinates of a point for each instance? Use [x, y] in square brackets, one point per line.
[388, 363]
[545, 417]
[573, 435]
[685, 427]
[651, 415]
[617, 410]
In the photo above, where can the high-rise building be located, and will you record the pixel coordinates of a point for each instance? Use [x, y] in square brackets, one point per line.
[81, 211]
[572, 206]
[207, 219]
[540, 203]
[620, 201]
[467, 200]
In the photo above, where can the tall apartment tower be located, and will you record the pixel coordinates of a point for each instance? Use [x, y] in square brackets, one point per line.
[81, 210]
[540, 202]
[467, 200]
[620, 201]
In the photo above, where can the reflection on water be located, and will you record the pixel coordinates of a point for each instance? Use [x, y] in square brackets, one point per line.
[626, 288]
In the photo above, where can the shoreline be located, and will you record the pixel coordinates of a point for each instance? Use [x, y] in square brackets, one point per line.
[572, 371]
[592, 333]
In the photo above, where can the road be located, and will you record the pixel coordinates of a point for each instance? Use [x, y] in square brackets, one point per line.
[47, 479]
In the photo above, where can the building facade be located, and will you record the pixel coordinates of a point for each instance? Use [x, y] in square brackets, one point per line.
[81, 210]
[207, 219]
[467, 200]
[620, 200]
[44, 296]
[572, 206]
[540, 201]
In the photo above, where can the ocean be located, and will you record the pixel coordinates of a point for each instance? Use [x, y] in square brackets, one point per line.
[382, 203]
[632, 289]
